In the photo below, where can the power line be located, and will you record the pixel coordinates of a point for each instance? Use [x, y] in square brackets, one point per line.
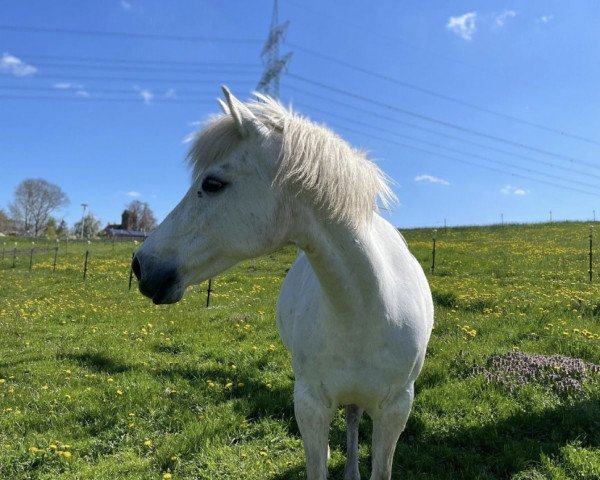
[137, 79]
[440, 134]
[188, 70]
[145, 36]
[441, 96]
[63, 95]
[460, 152]
[134, 61]
[440, 122]
[157, 69]
[467, 162]
[96, 90]
[375, 137]
[103, 99]
[396, 41]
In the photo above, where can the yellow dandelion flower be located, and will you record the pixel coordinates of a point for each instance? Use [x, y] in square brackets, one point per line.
[148, 443]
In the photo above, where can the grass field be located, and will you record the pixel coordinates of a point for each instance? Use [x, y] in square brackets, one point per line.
[98, 383]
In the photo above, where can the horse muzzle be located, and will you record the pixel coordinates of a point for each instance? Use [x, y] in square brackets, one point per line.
[157, 281]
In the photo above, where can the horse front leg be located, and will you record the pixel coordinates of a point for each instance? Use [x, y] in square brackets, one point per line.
[388, 424]
[313, 414]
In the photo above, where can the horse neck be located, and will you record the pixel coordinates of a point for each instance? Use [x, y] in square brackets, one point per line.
[348, 264]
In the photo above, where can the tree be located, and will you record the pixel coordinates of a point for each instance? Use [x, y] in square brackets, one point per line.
[50, 229]
[5, 223]
[35, 200]
[91, 226]
[141, 216]
[63, 229]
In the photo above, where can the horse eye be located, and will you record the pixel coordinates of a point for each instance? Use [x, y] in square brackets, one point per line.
[212, 185]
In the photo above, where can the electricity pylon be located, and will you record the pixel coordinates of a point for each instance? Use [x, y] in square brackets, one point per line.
[274, 64]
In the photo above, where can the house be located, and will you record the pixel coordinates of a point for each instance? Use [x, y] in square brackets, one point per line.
[123, 231]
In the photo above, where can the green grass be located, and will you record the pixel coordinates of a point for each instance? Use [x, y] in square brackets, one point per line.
[98, 383]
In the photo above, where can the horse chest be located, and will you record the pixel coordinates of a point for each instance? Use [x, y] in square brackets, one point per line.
[352, 366]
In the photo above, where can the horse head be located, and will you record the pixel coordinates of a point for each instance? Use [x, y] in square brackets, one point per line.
[231, 212]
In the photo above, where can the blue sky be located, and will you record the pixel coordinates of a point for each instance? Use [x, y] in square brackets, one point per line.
[475, 109]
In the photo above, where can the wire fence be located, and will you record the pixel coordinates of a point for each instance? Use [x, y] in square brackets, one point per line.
[443, 259]
[73, 255]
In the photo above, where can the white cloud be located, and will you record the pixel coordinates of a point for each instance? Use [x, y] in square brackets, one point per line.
[464, 25]
[133, 194]
[431, 179]
[500, 20]
[62, 86]
[189, 138]
[510, 190]
[146, 94]
[546, 18]
[12, 65]
[77, 88]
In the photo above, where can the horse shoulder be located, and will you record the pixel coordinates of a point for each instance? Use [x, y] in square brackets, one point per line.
[297, 298]
[403, 281]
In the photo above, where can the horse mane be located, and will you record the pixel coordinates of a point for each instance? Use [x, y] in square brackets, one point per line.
[314, 162]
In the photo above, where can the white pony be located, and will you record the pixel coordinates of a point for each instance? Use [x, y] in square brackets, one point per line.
[355, 309]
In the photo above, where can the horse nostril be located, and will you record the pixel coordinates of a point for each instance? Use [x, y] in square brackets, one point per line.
[137, 268]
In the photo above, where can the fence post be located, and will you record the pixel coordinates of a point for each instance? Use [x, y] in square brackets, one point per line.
[87, 252]
[55, 255]
[208, 292]
[30, 259]
[591, 252]
[130, 269]
[433, 253]
[14, 257]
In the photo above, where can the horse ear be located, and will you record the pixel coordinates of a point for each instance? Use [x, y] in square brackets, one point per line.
[223, 106]
[244, 119]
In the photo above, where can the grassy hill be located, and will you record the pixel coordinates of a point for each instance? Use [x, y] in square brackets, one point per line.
[96, 382]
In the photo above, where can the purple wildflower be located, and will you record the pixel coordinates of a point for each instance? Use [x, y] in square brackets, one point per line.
[560, 373]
